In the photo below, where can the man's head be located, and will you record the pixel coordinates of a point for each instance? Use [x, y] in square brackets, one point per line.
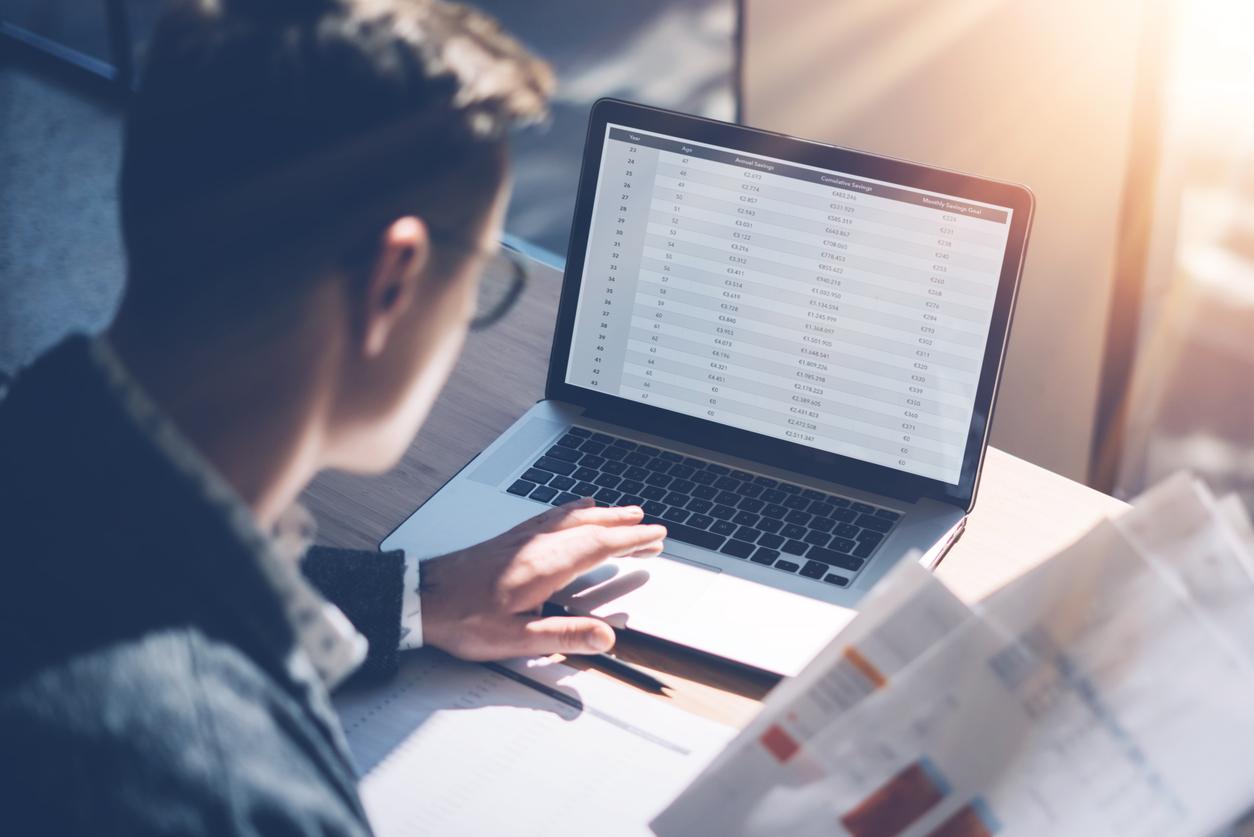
[308, 190]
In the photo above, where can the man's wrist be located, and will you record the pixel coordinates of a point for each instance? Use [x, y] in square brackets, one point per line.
[411, 605]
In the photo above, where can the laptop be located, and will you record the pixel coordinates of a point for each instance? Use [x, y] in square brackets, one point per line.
[784, 351]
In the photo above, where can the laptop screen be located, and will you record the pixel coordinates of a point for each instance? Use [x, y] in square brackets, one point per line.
[836, 311]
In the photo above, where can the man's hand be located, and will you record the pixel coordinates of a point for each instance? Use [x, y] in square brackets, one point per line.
[483, 603]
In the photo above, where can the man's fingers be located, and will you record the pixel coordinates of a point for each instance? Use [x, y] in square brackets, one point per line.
[566, 635]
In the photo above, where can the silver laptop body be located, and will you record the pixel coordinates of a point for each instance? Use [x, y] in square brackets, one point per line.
[786, 352]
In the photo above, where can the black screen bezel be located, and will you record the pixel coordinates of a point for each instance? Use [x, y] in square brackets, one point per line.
[779, 453]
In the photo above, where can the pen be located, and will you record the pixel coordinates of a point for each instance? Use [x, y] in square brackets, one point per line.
[627, 671]
[613, 665]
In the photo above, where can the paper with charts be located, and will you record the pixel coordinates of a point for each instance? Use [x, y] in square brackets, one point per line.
[522, 748]
[1108, 692]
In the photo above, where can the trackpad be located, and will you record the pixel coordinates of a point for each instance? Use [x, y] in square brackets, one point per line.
[641, 589]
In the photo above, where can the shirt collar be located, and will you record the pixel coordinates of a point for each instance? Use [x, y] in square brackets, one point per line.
[327, 641]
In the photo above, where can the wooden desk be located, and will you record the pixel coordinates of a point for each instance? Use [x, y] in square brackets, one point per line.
[1023, 513]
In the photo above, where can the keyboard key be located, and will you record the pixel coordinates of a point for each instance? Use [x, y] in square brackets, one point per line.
[658, 465]
[584, 489]
[864, 549]
[671, 457]
[614, 454]
[838, 501]
[704, 477]
[726, 484]
[821, 509]
[796, 502]
[536, 475]
[741, 475]
[647, 451]
[700, 521]
[823, 524]
[624, 444]
[745, 518]
[844, 515]
[723, 512]
[766, 524]
[570, 440]
[838, 580]
[765, 482]
[814, 569]
[592, 447]
[637, 459]
[564, 498]
[521, 487]
[841, 545]
[773, 495]
[653, 507]
[867, 536]
[683, 486]
[579, 431]
[557, 466]
[750, 504]
[717, 469]
[652, 492]
[792, 530]
[608, 496]
[676, 516]
[660, 480]
[630, 500]
[602, 438]
[637, 473]
[862, 507]
[799, 517]
[787, 566]
[773, 541]
[748, 489]
[563, 483]
[847, 530]
[564, 454]
[592, 461]
[774, 511]
[739, 549]
[695, 464]
[746, 533]
[687, 534]
[698, 505]
[585, 474]
[544, 494]
[631, 486]
[795, 547]
[608, 480]
[765, 556]
[817, 538]
[616, 468]
[705, 492]
[875, 524]
[811, 494]
[789, 488]
[675, 498]
[723, 527]
[680, 472]
[836, 559]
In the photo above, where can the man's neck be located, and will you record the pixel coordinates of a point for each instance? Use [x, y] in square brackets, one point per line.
[253, 409]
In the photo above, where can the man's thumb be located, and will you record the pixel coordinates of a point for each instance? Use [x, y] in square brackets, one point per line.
[570, 635]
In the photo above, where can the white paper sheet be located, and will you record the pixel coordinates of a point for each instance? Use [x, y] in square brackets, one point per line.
[451, 747]
[1109, 692]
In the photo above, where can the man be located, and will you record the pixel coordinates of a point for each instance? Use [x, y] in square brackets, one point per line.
[310, 192]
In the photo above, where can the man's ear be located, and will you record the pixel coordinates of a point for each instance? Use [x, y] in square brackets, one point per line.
[393, 283]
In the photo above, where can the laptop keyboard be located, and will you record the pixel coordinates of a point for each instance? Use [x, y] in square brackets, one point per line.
[749, 516]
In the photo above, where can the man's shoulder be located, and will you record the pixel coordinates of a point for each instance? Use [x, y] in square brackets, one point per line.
[171, 732]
